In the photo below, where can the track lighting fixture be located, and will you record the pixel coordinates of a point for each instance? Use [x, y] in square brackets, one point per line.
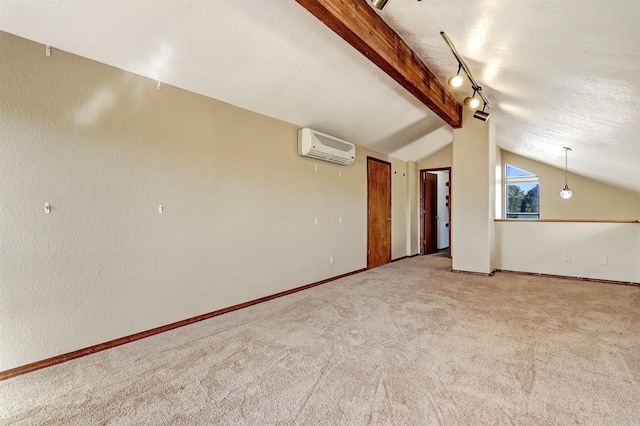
[455, 80]
[379, 4]
[566, 192]
[470, 101]
[482, 115]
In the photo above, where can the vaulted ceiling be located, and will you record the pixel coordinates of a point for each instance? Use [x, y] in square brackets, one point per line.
[556, 73]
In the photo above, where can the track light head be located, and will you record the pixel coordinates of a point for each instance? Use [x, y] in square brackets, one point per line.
[472, 102]
[455, 80]
[379, 4]
[481, 115]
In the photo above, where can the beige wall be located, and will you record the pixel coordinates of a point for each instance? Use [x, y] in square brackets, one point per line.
[105, 148]
[472, 195]
[608, 251]
[591, 199]
[413, 209]
[441, 158]
[399, 219]
[540, 247]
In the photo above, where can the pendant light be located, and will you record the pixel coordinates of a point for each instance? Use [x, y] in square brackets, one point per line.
[566, 192]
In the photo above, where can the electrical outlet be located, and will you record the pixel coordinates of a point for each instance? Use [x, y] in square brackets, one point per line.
[604, 260]
[567, 258]
[332, 260]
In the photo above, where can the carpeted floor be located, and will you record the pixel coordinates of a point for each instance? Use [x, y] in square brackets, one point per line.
[441, 252]
[408, 343]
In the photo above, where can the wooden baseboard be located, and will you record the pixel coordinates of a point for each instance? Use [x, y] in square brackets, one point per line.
[535, 274]
[482, 274]
[566, 277]
[7, 374]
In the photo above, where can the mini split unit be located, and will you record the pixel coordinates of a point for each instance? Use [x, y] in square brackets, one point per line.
[314, 144]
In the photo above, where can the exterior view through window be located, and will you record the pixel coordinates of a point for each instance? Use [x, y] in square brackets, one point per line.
[522, 194]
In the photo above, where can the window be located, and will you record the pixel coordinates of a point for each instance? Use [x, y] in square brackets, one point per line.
[522, 194]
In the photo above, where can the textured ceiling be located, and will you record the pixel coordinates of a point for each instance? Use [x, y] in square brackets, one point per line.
[556, 73]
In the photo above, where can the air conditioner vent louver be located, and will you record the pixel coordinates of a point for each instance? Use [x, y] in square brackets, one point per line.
[318, 145]
[334, 143]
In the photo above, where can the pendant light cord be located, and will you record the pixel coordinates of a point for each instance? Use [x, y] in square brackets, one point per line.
[566, 152]
[566, 181]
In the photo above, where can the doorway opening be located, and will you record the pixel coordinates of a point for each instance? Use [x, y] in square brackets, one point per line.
[435, 211]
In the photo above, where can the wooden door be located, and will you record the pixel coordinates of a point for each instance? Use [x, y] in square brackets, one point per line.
[379, 212]
[430, 213]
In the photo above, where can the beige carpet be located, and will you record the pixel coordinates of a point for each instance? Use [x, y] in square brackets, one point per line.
[408, 343]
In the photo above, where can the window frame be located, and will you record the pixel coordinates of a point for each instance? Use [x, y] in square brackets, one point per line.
[519, 180]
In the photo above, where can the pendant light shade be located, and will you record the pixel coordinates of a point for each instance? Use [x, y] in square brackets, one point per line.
[566, 193]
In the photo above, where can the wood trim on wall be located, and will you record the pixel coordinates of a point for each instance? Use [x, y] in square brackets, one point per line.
[536, 274]
[482, 274]
[7, 374]
[566, 277]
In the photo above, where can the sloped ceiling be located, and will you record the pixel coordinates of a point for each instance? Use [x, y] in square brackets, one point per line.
[556, 73]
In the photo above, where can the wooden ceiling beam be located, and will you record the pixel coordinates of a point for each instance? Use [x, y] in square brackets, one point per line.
[360, 26]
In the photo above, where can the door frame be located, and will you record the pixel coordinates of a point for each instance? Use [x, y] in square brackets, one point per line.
[369, 158]
[422, 227]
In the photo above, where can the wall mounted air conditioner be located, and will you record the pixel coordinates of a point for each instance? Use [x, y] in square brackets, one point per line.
[314, 144]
